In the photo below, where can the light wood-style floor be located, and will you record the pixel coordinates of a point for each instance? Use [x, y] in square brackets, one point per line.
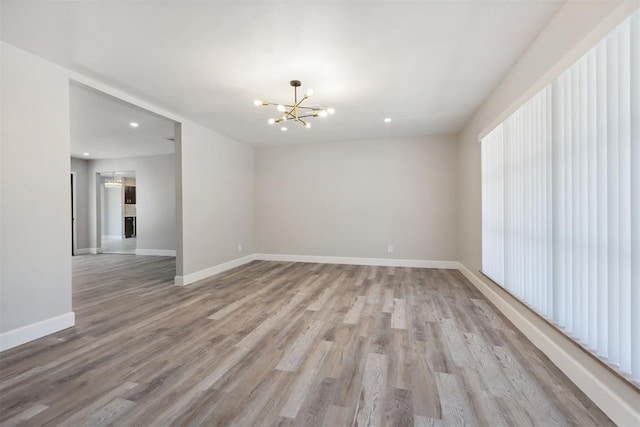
[283, 344]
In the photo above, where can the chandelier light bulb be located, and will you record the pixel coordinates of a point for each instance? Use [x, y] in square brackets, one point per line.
[271, 121]
[331, 110]
[323, 113]
[280, 107]
[257, 102]
[307, 125]
[309, 92]
[283, 129]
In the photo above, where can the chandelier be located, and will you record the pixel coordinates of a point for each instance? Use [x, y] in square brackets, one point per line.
[296, 112]
[112, 183]
[110, 180]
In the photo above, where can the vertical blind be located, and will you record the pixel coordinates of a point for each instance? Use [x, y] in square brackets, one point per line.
[561, 200]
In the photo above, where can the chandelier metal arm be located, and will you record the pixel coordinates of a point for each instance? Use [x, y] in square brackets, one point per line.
[275, 105]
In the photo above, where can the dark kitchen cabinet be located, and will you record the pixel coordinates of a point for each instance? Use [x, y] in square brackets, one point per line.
[129, 226]
[129, 195]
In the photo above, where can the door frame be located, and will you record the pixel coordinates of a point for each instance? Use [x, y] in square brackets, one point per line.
[74, 215]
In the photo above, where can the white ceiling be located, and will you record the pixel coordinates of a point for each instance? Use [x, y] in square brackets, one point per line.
[100, 126]
[426, 64]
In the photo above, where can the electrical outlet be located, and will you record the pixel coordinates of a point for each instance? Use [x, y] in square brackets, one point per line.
[239, 248]
[390, 248]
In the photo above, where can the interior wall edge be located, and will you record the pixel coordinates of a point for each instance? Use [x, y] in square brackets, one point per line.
[611, 394]
[27, 333]
[205, 273]
[35, 160]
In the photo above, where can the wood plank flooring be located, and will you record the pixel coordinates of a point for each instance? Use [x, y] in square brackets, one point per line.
[283, 344]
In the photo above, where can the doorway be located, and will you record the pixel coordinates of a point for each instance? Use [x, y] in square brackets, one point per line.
[110, 138]
[118, 216]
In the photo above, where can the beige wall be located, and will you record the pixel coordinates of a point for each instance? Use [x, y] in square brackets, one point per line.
[35, 207]
[576, 27]
[217, 199]
[354, 198]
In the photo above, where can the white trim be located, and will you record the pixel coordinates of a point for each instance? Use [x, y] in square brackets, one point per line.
[212, 271]
[113, 237]
[583, 371]
[383, 262]
[24, 334]
[156, 252]
[217, 269]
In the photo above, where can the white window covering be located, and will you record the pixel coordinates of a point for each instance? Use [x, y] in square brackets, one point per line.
[561, 200]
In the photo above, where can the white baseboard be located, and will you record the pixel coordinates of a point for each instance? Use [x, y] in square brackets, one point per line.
[36, 330]
[609, 393]
[212, 271]
[217, 269]
[156, 252]
[383, 262]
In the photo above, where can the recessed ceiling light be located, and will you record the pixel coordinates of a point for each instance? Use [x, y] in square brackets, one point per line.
[387, 120]
[85, 154]
[134, 124]
[283, 129]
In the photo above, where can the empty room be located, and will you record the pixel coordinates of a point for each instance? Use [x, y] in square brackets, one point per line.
[330, 213]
